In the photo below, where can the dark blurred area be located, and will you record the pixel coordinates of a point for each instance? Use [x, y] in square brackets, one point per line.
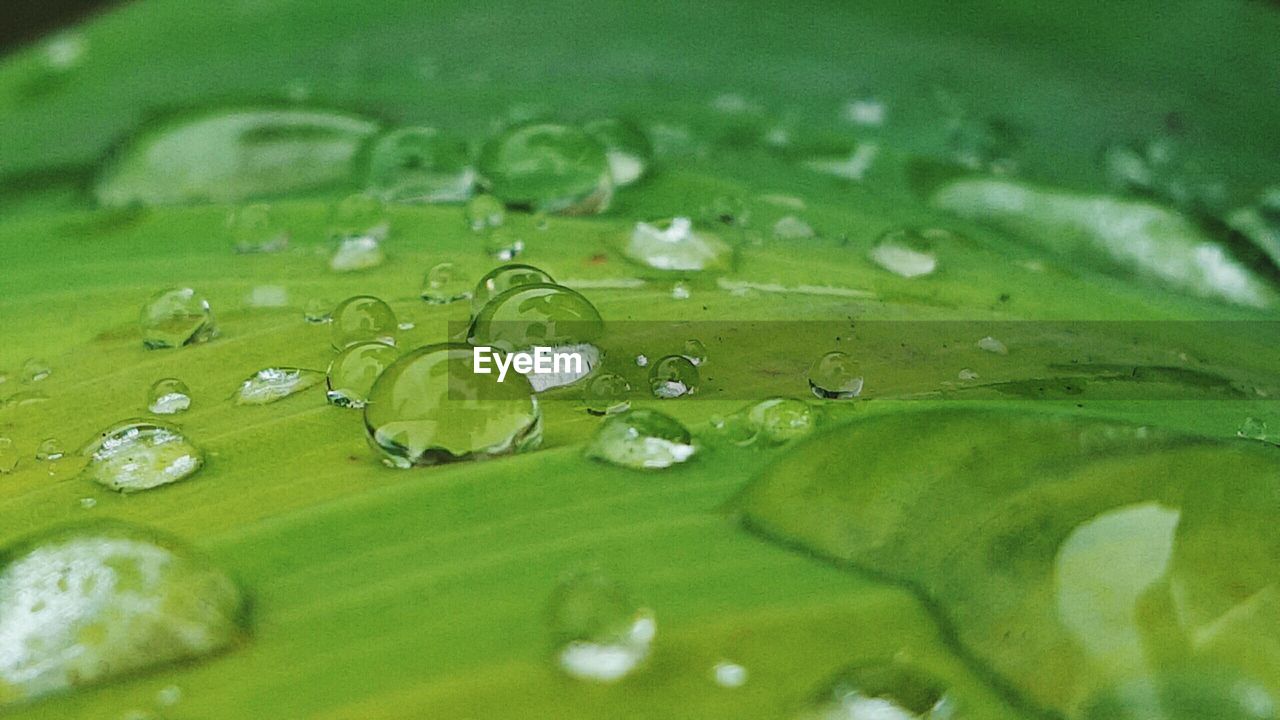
[23, 21]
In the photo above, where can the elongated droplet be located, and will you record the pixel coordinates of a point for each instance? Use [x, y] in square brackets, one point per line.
[993, 346]
[168, 396]
[906, 253]
[8, 455]
[675, 246]
[176, 317]
[781, 420]
[600, 633]
[139, 455]
[271, 384]
[99, 601]
[791, 227]
[643, 440]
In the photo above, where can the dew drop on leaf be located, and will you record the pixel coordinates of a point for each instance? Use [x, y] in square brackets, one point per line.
[139, 455]
[420, 164]
[269, 385]
[443, 284]
[548, 167]
[673, 376]
[600, 633]
[484, 213]
[642, 440]
[176, 317]
[889, 690]
[606, 394]
[362, 318]
[503, 278]
[626, 147]
[835, 376]
[352, 373]
[676, 246]
[168, 396]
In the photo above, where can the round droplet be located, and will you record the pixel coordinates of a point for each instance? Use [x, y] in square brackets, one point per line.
[606, 394]
[548, 167]
[34, 370]
[835, 376]
[431, 407]
[139, 455]
[355, 369]
[168, 396]
[176, 317]
[599, 631]
[503, 245]
[680, 291]
[729, 674]
[673, 376]
[443, 284]
[791, 227]
[277, 383]
[255, 229]
[643, 440]
[1253, 428]
[906, 253]
[626, 147]
[8, 455]
[536, 314]
[358, 215]
[362, 318]
[675, 246]
[485, 212]
[104, 600]
[420, 164]
[781, 420]
[50, 449]
[503, 278]
[992, 345]
[736, 429]
[881, 690]
[318, 311]
[695, 351]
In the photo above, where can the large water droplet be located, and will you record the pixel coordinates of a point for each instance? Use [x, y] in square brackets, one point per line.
[676, 246]
[355, 369]
[503, 278]
[362, 318]
[600, 633]
[626, 147]
[276, 383]
[431, 407]
[168, 396]
[232, 156]
[420, 164]
[139, 455]
[881, 691]
[444, 284]
[673, 376]
[606, 394]
[835, 376]
[101, 601]
[643, 440]
[548, 167]
[176, 317]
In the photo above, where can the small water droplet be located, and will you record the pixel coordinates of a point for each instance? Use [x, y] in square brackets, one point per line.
[882, 690]
[695, 351]
[363, 318]
[430, 407]
[276, 383]
[868, 112]
[168, 696]
[8, 455]
[50, 449]
[420, 164]
[443, 284]
[907, 253]
[357, 253]
[835, 376]
[255, 229]
[104, 600]
[600, 633]
[626, 147]
[503, 278]
[267, 296]
[548, 167]
[673, 376]
[88, 503]
[503, 245]
[168, 396]
[781, 420]
[606, 394]
[680, 291]
[318, 311]
[139, 455]
[64, 51]
[352, 373]
[484, 213]
[642, 360]
[728, 674]
[791, 227]
[359, 224]
[35, 370]
[967, 375]
[1253, 428]
[674, 245]
[176, 317]
[642, 440]
[992, 345]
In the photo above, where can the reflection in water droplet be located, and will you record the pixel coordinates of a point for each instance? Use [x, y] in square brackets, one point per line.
[695, 352]
[503, 278]
[50, 449]
[101, 601]
[255, 229]
[431, 407]
[993, 346]
[835, 376]
[626, 147]
[881, 691]
[503, 246]
[140, 454]
[966, 374]
[357, 253]
[352, 373]
[420, 164]
[675, 246]
[176, 317]
[548, 167]
[642, 440]
[362, 318]
[443, 284]
[484, 213]
[791, 227]
[600, 633]
[673, 376]
[729, 674]
[35, 370]
[781, 420]
[606, 394]
[907, 253]
[271, 384]
[642, 360]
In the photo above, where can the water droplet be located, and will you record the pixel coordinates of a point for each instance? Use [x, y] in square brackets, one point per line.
[357, 253]
[675, 245]
[503, 278]
[907, 253]
[781, 420]
[168, 396]
[64, 51]
[727, 210]
[362, 318]
[541, 315]
[695, 351]
[642, 360]
[985, 144]
[626, 147]
[50, 449]
[729, 674]
[139, 455]
[680, 291]
[835, 376]
[88, 503]
[352, 373]
[606, 394]
[868, 112]
[168, 696]
[891, 691]
[255, 229]
[485, 212]
[231, 156]
[35, 370]
[600, 633]
[420, 164]
[1253, 428]
[503, 246]
[967, 375]
[271, 384]
[643, 440]
[1183, 695]
[176, 317]
[104, 600]
[853, 166]
[318, 311]
[992, 345]
[548, 167]
[673, 376]
[1161, 167]
[791, 227]
[431, 407]
[444, 285]
[737, 428]
[267, 296]
[8, 455]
